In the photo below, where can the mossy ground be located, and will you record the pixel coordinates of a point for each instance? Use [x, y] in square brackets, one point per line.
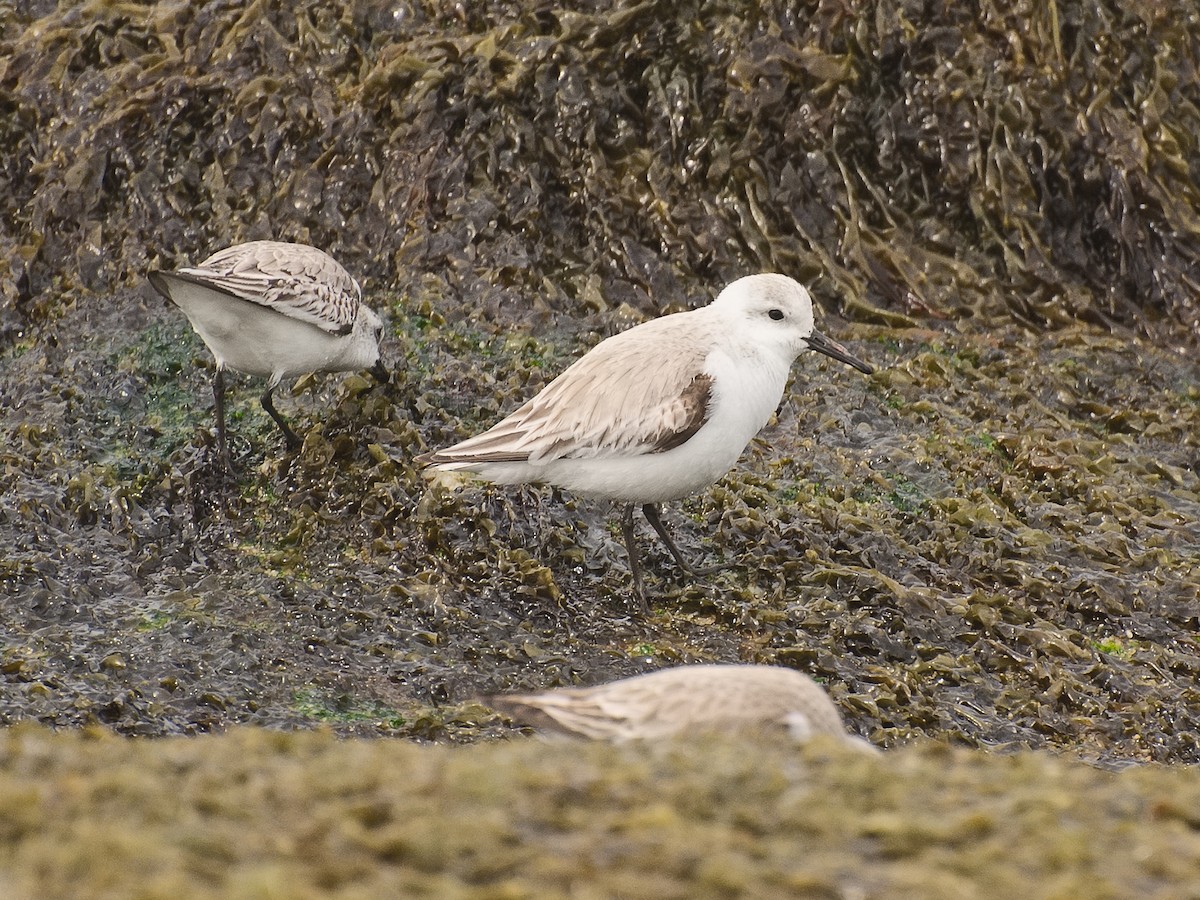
[255, 813]
[990, 543]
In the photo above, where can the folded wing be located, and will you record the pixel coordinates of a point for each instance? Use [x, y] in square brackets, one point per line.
[617, 401]
[296, 280]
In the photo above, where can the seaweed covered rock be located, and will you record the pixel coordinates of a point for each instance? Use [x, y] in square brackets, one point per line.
[918, 160]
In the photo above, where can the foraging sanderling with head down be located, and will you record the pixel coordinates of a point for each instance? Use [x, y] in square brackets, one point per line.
[278, 310]
[659, 411]
[684, 700]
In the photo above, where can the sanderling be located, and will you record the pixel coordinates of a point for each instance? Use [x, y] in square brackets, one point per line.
[659, 411]
[685, 699]
[277, 310]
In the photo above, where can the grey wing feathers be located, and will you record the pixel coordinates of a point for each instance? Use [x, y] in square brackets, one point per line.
[566, 711]
[294, 279]
[618, 400]
[582, 720]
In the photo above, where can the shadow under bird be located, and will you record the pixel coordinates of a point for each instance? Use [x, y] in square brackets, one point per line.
[657, 412]
[276, 310]
[684, 700]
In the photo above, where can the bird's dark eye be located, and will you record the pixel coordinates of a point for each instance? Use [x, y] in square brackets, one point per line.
[775, 314]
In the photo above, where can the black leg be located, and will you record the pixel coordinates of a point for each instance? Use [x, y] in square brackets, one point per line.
[635, 567]
[219, 405]
[293, 442]
[650, 511]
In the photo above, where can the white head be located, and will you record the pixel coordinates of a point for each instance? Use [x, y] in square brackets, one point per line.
[362, 351]
[776, 311]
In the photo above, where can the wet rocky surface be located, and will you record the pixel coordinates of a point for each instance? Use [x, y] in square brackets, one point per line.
[991, 540]
[991, 543]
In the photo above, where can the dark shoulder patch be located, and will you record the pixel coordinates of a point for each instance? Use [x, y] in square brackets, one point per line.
[695, 397]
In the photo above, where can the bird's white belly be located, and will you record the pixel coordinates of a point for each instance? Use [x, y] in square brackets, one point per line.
[253, 339]
[653, 477]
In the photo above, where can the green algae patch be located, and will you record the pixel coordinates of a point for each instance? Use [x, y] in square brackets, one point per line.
[253, 812]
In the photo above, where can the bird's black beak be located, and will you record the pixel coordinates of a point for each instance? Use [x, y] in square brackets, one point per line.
[380, 372]
[830, 347]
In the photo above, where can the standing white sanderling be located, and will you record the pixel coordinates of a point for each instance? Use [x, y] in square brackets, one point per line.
[684, 700]
[278, 310]
[659, 411]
